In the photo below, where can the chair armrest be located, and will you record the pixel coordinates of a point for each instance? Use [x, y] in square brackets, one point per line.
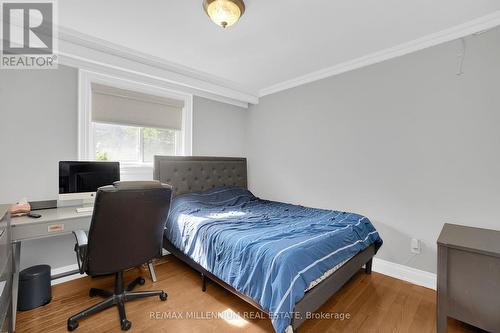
[81, 249]
[81, 237]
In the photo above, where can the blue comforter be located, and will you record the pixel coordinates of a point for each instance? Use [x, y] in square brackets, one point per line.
[270, 251]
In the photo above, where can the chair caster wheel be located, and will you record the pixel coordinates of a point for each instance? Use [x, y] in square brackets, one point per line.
[126, 324]
[163, 296]
[141, 281]
[72, 325]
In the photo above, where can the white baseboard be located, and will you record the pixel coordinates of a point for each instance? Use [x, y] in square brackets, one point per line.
[401, 272]
[69, 268]
[65, 269]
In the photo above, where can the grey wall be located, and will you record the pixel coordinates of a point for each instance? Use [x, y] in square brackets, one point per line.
[38, 128]
[218, 128]
[406, 142]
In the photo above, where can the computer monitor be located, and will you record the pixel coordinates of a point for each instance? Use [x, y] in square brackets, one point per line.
[80, 180]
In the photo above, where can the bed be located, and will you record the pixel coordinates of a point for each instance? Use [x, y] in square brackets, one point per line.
[286, 260]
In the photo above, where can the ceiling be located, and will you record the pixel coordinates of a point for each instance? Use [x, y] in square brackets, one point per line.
[276, 40]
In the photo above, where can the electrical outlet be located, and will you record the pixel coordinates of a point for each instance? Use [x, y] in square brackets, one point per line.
[415, 246]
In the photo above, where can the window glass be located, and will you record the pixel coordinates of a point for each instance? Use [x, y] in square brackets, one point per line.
[131, 144]
[116, 143]
[157, 142]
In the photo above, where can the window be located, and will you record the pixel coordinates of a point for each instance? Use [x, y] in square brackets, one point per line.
[131, 144]
[130, 122]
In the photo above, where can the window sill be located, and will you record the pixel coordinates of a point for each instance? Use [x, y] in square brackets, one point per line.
[133, 166]
[131, 171]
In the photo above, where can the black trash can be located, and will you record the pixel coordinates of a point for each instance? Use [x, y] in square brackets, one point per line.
[34, 287]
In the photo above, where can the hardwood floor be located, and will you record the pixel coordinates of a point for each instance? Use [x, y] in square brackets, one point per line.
[375, 303]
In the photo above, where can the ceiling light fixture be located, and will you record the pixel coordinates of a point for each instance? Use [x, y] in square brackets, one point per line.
[224, 13]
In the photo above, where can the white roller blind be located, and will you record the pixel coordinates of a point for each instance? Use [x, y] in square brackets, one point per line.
[125, 107]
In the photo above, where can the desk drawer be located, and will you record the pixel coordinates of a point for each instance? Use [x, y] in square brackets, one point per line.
[48, 229]
[4, 233]
[5, 291]
[6, 327]
[5, 244]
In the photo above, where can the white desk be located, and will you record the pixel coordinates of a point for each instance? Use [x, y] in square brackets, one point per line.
[54, 222]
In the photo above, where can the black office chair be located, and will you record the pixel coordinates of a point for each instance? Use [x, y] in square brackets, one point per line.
[126, 231]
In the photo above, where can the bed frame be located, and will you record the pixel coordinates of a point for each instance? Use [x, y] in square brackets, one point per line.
[192, 174]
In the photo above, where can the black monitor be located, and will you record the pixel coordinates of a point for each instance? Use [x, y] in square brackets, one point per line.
[80, 180]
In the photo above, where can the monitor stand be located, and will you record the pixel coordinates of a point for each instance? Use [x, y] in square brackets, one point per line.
[88, 206]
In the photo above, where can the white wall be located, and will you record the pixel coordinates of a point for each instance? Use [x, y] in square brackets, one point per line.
[38, 128]
[406, 142]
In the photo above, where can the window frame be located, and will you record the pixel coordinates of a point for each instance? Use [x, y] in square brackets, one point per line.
[85, 131]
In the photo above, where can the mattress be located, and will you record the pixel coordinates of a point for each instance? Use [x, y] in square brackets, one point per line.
[271, 251]
[325, 275]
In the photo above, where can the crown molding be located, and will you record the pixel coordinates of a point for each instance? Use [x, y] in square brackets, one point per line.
[466, 29]
[94, 54]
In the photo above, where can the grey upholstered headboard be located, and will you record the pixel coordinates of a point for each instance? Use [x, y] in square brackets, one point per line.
[196, 173]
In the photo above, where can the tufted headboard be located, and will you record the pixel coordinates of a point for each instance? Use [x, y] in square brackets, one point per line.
[196, 173]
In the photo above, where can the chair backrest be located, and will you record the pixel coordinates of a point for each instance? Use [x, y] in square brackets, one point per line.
[127, 225]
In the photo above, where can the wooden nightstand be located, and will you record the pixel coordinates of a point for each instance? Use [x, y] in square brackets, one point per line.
[468, 278]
